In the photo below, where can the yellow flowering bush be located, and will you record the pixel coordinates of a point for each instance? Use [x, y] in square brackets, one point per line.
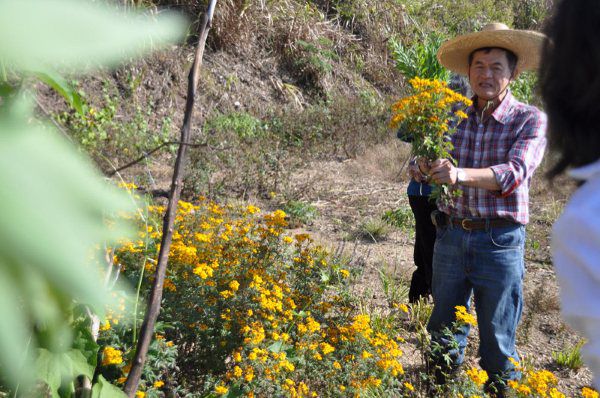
[259, 312]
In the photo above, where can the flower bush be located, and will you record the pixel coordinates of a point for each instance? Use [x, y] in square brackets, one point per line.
[258, 312]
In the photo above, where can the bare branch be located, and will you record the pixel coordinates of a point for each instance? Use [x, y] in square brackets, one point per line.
[147, 329]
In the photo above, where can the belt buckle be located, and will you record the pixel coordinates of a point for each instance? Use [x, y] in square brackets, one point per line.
[463, 225]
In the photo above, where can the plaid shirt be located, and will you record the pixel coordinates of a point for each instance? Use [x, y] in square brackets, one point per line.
[511, 142]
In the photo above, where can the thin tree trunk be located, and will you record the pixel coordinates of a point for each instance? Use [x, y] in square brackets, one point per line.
[147, 329]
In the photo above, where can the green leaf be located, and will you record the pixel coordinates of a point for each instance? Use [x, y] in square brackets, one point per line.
[62, 87]
[279, 346]
[55, 369]
[103, 389]
[78, 33]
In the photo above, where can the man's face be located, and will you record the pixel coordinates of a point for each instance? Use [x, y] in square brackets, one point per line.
[489, 73]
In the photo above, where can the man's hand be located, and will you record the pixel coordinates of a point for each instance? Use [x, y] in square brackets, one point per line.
[443, 172]
[415, 173]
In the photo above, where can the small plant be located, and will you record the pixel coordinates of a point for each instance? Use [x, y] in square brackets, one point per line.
[373, 229]
[401, 218]
[570, 357]
[241, 123]
[395, 291]
[300, 212]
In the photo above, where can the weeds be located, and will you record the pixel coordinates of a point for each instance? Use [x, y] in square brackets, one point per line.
[402, 218]
[373, 229]
[569, 357]
[300, 212]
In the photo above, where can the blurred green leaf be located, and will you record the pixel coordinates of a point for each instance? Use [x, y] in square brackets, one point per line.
[61, 86]
[78, 33]
[52, 217]
[54, 203]
[52, 368]
[103, 389]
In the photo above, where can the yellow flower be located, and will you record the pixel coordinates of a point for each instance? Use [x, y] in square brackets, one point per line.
[105, 326]
[478, 377]
[463, 316]
[409, 386]
[587, 392]
[158, 384]
[221, 390]
[554, 393]
[234, 285]
[140, 394]
[249, 374]
[345, 273]
[111, 356]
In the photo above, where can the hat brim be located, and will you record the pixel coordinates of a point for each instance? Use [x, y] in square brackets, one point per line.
[526, 44]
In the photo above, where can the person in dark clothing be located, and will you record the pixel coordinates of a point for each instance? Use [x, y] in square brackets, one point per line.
[422, 206]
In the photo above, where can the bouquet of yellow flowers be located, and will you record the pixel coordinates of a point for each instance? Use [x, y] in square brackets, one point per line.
[427, 119]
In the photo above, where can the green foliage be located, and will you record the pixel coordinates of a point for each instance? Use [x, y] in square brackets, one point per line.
[570, 357]
[300, 212]
[454, 17]
[108, 137]
[523, 88]
[529, 14]
[53, 202]
[316, 56]
[402, 218]
[242, 124]
[420, 58]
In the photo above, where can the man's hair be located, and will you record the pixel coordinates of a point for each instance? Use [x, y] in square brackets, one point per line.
[511, 57]
[570, 84]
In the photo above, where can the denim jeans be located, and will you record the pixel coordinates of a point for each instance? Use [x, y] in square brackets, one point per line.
[489, 263]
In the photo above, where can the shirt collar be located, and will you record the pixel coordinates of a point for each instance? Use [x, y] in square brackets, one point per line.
[586, 172]
[502, 112]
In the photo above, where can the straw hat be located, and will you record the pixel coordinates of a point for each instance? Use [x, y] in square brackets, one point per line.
[526, 44]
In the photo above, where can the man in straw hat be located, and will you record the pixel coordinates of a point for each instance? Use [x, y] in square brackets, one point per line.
[480, 237]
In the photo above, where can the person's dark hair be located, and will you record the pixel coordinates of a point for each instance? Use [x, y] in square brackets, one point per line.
[460, 84]
[570, 84]
[511, 57]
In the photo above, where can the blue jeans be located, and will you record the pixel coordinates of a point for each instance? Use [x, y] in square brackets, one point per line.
[489, 263]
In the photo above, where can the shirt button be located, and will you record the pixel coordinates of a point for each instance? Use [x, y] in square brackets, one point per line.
[481, 126]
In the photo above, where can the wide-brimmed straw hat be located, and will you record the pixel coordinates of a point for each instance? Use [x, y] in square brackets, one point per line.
[526, 44]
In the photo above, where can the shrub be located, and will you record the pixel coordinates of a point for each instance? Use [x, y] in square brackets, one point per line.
[300, 212]
[242, 124]
[402, 218]
[259, 312]
[419, 59]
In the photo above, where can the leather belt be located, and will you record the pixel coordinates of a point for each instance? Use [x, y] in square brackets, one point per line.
[469, 224]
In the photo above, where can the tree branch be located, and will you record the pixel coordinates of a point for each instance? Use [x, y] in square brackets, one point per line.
[147, 329]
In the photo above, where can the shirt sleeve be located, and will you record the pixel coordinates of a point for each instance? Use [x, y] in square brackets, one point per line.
[524, 156]
[576, 250]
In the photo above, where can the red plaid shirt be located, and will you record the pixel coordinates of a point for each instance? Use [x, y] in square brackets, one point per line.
[511, 142]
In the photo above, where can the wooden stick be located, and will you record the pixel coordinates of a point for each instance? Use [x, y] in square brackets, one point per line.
[147, 329]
